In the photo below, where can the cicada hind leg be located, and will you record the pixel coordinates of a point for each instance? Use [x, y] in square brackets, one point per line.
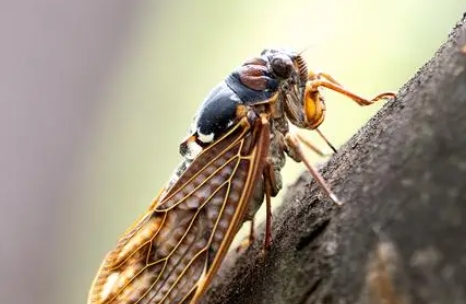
[271, 188]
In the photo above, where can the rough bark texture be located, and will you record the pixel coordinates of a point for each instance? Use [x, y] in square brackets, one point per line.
[401, 236]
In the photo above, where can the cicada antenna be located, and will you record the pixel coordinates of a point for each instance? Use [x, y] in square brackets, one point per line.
[306, 48]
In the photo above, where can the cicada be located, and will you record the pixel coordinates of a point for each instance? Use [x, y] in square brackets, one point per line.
[232, 158]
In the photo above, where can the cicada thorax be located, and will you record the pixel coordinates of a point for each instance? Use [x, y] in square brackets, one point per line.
[257, 87]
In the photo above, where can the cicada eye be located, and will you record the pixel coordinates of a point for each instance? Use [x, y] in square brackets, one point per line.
[282, 66]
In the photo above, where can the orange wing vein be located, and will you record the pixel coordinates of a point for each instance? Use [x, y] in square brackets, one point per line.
[171, 254]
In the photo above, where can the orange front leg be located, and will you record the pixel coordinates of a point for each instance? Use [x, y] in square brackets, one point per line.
[327, 81]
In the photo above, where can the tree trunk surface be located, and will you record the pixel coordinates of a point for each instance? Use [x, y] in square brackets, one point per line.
[400, 237]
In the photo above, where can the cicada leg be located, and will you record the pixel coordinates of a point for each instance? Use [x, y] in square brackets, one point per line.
[327, 81]
[313, 147]
[293, 143]
[270, 188]
[326, 140]
[247, 241]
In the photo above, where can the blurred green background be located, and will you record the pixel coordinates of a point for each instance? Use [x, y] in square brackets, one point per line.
[176, 51]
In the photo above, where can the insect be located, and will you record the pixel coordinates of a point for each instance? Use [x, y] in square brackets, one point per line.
[232, 158]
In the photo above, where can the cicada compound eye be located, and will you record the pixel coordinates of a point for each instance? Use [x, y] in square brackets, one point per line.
[282, 66]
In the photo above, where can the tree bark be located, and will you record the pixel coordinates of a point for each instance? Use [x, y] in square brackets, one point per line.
[400, 237]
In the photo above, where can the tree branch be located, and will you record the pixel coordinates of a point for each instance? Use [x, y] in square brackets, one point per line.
[401, 236]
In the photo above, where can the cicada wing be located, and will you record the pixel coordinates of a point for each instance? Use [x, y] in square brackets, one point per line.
[122, 263]
[172, 253]
[256, 148]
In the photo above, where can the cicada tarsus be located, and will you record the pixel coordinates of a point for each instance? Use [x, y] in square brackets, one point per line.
[232, 158]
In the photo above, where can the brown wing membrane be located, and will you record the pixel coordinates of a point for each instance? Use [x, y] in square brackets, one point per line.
[172, 253]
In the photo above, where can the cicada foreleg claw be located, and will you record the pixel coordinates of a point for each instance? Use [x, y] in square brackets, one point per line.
[325, 80]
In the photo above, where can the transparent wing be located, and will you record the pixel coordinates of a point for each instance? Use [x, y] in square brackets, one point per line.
[171, 254]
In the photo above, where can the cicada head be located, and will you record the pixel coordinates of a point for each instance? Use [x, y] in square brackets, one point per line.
[303, 104]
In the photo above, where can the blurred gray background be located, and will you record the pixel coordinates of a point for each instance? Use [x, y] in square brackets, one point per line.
[96, 95]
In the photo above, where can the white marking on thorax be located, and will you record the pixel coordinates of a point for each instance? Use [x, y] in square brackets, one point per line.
[193, 150]
[205, 138]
